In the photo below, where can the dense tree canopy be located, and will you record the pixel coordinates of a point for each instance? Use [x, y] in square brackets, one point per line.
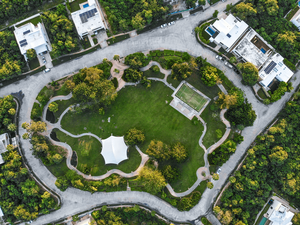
[7, 105]
[21, 198]
[124, 16]
[11, 60]
[273, 163]
[61, 31]
[249, 73]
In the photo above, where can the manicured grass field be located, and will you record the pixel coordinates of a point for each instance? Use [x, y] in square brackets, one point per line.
[150, 73]
[94, 159]
[191, 97]
[149, 110]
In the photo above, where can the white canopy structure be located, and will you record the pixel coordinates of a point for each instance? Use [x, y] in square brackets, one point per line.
[114, 150]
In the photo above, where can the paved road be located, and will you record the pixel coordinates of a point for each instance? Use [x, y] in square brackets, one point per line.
[177, 37]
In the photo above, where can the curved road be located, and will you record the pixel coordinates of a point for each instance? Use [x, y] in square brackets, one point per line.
[177, 37]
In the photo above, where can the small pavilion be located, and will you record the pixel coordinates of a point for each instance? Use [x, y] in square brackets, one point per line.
[114, 150]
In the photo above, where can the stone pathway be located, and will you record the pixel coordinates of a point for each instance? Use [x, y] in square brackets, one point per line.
[162, 70]
[51, 126]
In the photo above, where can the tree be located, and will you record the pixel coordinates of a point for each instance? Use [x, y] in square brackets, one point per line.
[215, 176]
[155, 69]
[244, 10]
[138, 22]
[215, 14]
[296, 219]
[53, 107]
[181, 71]
[31, 54]
[159, 150]
[148, 15]
[170, 173]
[132, 75]
[278, 156]
[36, 127]
[232, 59]
[209, 75]
[152, 180]
[116, 57]
[123, 24]
[210, 185]
[25, 125]
[136, 60]
[25, 136]
[178, 152]
[134, 136]
[242, 114]
[226, 101]
[249, 73]
[10, 147]
[232, 179]
[57, 158]
[12, 127]
[12, 111]
[70, 85]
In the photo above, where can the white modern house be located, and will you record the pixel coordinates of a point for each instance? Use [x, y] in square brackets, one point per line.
[4, 141]
[274, 68]
[89, 19]
[29, 36]
[226, 32]
[236, 37]
[278, 214]
[114, 150]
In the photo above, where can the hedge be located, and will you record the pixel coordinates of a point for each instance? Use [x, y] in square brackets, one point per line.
[289, 64]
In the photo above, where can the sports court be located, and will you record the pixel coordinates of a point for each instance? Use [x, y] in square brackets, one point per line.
[191, 97]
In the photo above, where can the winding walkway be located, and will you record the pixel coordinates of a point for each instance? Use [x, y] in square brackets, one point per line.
[51, 126]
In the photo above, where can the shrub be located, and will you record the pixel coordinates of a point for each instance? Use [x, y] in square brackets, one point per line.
[134, 136]
[53, 107]
[169, 52]
[155, 69]
[186, 57]
[132, 75]
[219, 133]
[146, 82]
[215, 14]
[215, 176]
[238, 138]
[210, 185]
[115, 82]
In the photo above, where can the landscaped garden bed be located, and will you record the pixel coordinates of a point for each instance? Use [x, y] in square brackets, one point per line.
[117, 39]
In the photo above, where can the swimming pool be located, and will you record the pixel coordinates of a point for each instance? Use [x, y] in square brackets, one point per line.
[210, 31]
[263, 50]
[86, 5]
[263, 221]
[299, 3]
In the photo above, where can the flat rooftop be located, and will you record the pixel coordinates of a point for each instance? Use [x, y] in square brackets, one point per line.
[31, 37]
[88, 19]
[253, 48]
[230, 30]
[274, 68]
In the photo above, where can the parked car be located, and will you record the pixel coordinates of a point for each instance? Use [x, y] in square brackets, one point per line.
[229, 65]
[47, 70]
[219, 171]
[219, 57]
[169, 24]
[172, 23]
[44, 61]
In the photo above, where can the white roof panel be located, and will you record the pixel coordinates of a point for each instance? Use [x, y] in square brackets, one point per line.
[114, 150]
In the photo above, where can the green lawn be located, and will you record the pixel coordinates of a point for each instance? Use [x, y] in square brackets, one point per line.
[146, 109]
[75, 5]
[34, 63]
[212, 118]
[262, 94]
[94, 158]
[191, 97]
[34, 21]
[150, 73]
[85, 42]
[174, 83]
[59, 169]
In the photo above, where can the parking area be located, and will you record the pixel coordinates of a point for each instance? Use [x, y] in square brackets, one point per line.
[45, 59]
